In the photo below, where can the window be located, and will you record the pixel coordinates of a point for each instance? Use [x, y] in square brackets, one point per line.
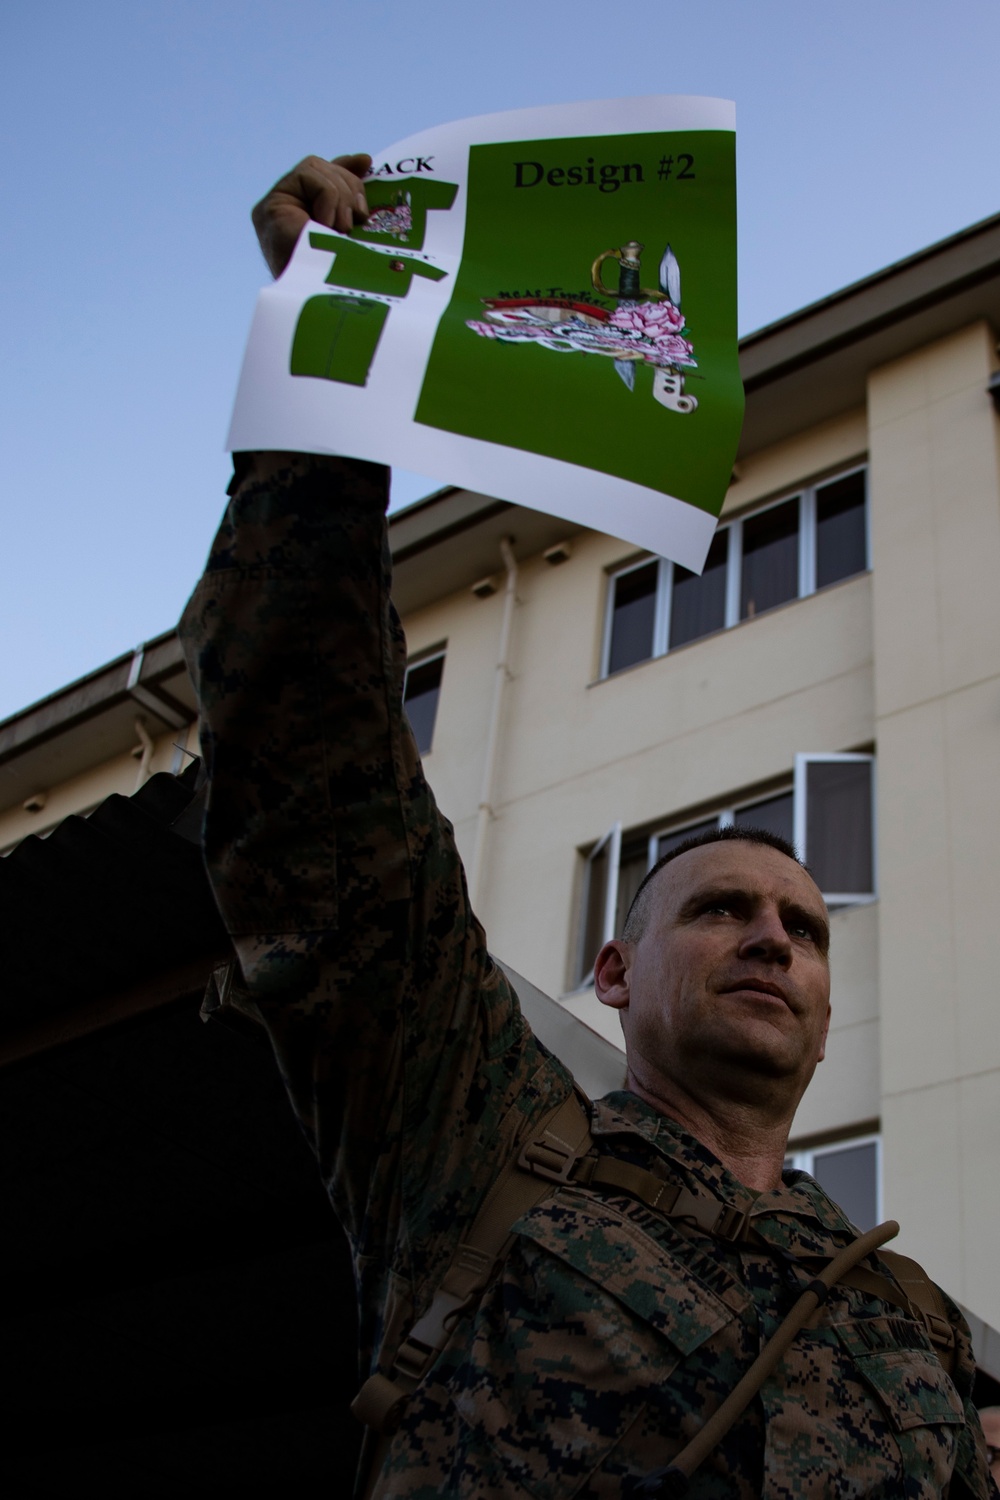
[769, 570]
[698, 605]
[827, 814]
[421, 691]
[841, 529]
[600, 897]
[635, 607]
[835, 824]
[786, 551]
[851, 1172]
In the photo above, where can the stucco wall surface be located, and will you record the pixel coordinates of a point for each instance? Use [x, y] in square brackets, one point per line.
[936, 622]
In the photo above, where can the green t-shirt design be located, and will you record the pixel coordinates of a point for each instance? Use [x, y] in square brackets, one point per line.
[365, 270]
[336, 337]
[399, 209]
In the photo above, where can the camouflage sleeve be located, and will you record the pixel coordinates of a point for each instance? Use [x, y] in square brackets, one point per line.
[402, 1046]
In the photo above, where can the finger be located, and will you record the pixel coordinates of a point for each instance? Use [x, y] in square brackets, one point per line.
[336, 206]
[359, 165]
[313, 181]
[344, 216]
[333, 192]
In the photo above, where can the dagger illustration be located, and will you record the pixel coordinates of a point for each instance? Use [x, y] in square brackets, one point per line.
[668, 386]
[625, 368]
[670, 277]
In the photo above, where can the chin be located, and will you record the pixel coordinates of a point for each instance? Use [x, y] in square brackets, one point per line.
[762, 1062]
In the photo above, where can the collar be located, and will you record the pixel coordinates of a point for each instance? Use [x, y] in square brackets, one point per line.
[798, 1215]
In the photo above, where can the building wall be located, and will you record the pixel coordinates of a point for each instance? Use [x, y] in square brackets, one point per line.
[936, 621]
[649, 744]
[81, 793]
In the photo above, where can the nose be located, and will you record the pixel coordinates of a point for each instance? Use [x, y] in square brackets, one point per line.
[765, 937]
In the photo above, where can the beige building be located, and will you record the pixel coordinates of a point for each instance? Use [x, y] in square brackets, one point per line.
[834, 674]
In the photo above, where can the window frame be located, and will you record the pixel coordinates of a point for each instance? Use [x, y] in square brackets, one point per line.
[725, 817]
[797, 785]
[661, 611]
[803, 760]
[612, 840]
[806, 496]
[802, 1159]
[423, 659]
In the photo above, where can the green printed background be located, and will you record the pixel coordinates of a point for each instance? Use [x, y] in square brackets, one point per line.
[573, 406]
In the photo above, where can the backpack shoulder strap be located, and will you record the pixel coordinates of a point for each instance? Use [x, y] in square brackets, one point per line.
[557, 1152]
[929, 1302]
[914, 1293]
[560, 1139]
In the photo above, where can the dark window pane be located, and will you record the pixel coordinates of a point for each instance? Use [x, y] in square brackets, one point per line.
[632, 617]
[420, 699]
[770, 559]
[593, 912]
[775, 815]
[840, 529]
[850, 1175]
[631, 873]
[698, 605]
[839, 826]
[668, 841]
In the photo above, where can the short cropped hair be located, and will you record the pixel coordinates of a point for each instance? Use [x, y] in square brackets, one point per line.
[638, 912]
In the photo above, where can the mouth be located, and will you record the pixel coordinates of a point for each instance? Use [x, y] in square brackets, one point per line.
[765, 988]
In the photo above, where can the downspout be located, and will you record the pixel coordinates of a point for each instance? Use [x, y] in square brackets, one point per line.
[500, 679]
[143, 752]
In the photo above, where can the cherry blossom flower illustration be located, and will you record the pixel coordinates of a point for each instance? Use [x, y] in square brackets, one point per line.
[648, 332]
[397, 220]
[655, 320]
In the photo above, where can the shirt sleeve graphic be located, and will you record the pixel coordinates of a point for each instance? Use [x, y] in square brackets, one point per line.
[399, 210]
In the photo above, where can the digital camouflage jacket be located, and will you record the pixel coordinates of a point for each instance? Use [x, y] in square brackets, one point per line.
[612, 1333]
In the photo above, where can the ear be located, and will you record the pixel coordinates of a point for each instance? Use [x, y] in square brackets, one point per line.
[611, 974]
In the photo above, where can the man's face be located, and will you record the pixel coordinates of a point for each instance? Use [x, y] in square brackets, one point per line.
[730, 980]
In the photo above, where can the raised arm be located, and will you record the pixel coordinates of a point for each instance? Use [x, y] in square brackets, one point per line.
[402, 1046]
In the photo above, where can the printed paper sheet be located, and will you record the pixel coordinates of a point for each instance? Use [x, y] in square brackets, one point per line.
[541, 307]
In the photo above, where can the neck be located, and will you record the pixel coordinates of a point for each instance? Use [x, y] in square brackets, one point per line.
[750, 1139]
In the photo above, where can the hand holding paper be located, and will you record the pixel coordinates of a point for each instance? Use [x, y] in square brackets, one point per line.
[326, 192]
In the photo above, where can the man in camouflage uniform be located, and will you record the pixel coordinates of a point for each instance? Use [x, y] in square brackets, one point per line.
[611, 1333]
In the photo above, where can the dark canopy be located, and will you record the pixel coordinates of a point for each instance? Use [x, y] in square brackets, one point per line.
[180, 1308]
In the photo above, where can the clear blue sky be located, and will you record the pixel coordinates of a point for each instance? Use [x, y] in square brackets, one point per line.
[138, 135]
